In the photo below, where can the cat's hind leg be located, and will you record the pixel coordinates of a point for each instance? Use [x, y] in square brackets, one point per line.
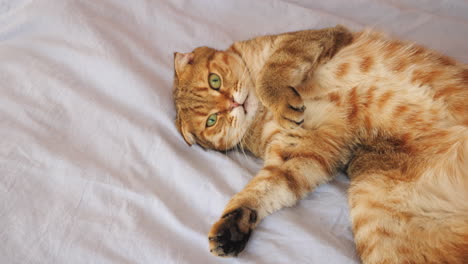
[386, 230]
[391, 220]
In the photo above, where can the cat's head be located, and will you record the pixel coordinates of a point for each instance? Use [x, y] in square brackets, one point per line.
[214, 97]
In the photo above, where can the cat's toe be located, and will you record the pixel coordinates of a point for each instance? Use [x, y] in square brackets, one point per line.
[290, 117]
[230, 234]
[290, 111]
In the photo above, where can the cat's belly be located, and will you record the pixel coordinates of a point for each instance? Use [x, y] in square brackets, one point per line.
[320, 112]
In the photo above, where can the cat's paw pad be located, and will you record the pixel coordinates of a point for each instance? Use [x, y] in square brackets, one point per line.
[289, 110]
[230, 234]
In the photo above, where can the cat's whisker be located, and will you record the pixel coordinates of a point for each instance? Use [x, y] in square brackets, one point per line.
[242, 148]
[240, 139]
[240, 144]
[227, 136]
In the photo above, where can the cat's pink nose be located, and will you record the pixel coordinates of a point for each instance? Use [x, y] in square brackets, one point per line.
[234, 104]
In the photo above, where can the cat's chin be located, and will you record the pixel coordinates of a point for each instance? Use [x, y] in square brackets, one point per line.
[250, 107]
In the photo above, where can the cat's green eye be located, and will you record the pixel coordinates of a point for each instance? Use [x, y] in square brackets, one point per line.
[211, 121]
[214, 80]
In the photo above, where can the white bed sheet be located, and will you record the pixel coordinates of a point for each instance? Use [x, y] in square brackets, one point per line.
[92, 169]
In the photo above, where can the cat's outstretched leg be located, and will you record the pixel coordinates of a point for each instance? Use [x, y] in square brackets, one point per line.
[294, 166]
[293, 62]
[273, 188]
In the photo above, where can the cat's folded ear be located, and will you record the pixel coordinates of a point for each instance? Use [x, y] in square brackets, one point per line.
[187, 135]
[181, 60]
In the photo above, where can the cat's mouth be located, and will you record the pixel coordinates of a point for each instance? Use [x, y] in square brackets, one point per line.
[245, 104]
[244, 100]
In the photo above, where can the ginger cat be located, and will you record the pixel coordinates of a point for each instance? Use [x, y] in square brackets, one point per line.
[394, 115]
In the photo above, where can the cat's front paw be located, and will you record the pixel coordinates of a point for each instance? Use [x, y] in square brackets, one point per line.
[288, 108]
[230, 234]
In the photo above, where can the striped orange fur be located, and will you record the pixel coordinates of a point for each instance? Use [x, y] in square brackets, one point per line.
[311, 103]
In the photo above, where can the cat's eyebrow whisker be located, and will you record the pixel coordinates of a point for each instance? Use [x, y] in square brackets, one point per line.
[241, 78]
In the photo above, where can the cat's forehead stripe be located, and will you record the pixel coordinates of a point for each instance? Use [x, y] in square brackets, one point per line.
[226, 58]
[198, 113]
[212, 64]
[209, 59]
